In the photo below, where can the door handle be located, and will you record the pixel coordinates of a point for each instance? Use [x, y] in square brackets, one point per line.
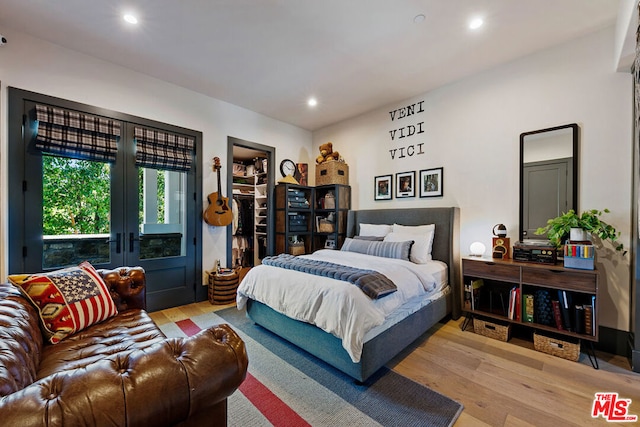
[131, 240]
[118, 241]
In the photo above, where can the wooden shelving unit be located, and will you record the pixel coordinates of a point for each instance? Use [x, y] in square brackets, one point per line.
[545, 282]
[331, 202]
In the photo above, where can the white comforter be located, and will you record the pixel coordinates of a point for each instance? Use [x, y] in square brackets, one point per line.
[335, 306]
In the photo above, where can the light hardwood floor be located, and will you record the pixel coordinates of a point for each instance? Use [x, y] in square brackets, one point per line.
[499, 383]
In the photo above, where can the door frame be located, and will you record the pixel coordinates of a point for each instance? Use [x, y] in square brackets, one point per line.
[20, 215]
[271, 155]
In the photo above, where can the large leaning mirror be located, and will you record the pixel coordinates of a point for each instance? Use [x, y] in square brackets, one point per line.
[548, 177]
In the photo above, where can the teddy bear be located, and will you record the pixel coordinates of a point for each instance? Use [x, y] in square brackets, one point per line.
[327, 153]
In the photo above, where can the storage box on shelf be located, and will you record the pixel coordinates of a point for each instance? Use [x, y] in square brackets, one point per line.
[547, 299]
[581, 256]
[332, 172]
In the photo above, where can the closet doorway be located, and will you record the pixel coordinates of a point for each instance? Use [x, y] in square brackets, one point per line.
[250, 181]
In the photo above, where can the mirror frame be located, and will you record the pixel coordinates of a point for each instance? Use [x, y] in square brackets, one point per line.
[575, 138]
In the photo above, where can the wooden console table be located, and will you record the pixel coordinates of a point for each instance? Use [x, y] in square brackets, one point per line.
[499, 277]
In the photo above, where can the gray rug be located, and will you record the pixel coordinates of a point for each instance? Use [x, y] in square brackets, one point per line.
[387, 398]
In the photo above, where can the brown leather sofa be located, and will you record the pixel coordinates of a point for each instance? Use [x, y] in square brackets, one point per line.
[121, 372]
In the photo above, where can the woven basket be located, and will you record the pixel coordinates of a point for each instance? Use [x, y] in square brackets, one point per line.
[490, 329]
[296, 249]
[222, 289]
[332, 172]
[325, 226]
[557, 347]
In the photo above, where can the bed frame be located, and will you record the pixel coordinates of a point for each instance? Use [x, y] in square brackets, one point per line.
[382, 348]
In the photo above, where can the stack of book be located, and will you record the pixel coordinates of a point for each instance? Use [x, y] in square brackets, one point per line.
[296, 199]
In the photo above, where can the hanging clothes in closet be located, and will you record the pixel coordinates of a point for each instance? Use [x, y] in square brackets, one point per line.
[243, 224]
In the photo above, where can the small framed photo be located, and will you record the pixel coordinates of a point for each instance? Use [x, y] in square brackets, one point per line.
[431, 182]
[405, 184]
[330, 244]
[382, 187]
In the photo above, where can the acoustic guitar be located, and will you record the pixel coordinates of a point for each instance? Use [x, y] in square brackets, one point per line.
[218, 213]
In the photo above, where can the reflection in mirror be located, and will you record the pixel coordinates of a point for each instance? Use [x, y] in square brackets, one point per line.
[548, 177]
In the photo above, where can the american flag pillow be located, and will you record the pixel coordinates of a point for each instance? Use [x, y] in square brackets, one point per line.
[69, 300]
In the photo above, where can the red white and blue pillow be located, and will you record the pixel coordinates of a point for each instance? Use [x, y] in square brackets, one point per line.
[69, 300]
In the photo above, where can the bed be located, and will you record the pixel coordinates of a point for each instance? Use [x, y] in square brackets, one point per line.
[399, 328]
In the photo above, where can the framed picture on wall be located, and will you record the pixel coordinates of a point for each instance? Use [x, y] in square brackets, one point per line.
[431, 182]
[405, 184]
[383, 187]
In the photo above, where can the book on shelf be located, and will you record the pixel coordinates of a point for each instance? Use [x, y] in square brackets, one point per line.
[475, 286]
[579, 319]
[588, 320]
[514, 304]
[527, 308]
[557, 315]
[594, 325]
[467, 296]
[565, 309]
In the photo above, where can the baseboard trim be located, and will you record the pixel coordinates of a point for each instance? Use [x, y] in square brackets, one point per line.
[614, 341]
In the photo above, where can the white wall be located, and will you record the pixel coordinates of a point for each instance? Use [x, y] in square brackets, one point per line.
[472, 129]
[38, 66]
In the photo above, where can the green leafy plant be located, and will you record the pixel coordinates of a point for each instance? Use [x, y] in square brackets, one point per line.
[558, 228]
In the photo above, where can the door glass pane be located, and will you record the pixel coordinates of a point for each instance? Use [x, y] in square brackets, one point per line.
[162, 207]
[76, 202]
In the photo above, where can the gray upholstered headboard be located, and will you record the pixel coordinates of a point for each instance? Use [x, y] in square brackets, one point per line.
[445, 242]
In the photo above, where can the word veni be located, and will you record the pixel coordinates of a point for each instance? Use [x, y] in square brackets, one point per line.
[612, 408]
[407, 111]
[409, 149]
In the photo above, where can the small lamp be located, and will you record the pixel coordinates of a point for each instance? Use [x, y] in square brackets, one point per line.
[477, 249]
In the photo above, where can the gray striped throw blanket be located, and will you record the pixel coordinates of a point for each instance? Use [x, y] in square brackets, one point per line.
[373, 284]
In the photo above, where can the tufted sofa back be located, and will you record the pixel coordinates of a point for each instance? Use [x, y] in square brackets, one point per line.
[21, 342]
[127, 287]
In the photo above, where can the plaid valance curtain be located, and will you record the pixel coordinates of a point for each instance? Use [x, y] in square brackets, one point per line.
[162, 150]
[77, 135]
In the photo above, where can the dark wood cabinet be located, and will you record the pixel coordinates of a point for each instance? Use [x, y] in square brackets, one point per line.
[311, 215]
[294, 218]
[332, 203]
[500, 277]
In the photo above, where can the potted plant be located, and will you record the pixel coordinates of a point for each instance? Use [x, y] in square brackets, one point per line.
[559, 228]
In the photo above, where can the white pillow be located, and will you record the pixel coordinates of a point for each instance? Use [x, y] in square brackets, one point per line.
[422, 236]
[378, 230]
[397, 228]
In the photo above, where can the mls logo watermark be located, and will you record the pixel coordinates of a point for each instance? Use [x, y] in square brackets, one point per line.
[612, 408]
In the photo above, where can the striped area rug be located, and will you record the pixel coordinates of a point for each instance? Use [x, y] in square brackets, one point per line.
[286, 386]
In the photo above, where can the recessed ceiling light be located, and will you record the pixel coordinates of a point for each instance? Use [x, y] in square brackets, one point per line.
[312, 102]
[475, 23]
[418, 18]
[130, 18]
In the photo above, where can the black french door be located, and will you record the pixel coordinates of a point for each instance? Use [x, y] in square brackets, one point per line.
[64, 211]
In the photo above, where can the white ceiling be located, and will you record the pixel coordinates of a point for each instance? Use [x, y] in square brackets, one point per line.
[269, 56]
